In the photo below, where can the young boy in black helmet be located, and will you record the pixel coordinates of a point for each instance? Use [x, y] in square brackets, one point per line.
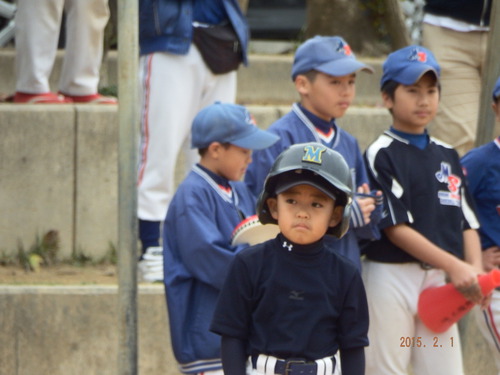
[290, 303]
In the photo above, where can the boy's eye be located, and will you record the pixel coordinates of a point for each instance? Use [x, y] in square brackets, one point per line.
[317, 205]
[290, 201]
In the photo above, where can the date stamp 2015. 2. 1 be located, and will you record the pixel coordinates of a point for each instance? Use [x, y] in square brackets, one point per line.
[417, 342]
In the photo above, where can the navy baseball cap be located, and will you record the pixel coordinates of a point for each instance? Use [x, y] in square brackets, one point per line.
[327, 54]
[496, 89]
[407, 65]
[228, 123]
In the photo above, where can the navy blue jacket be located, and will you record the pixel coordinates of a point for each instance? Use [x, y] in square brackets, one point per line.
[476, 12]
[166, 26]
[197, 253]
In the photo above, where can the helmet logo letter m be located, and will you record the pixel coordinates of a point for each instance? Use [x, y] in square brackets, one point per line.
[313, 154]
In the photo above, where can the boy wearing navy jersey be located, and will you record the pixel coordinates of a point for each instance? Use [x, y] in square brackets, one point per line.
[428, 227]
[289, 304]
[482, 167]
[324, 73]
[207, 206]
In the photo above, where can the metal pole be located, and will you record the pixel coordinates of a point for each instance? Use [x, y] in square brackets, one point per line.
[486, 118]
[128, 118]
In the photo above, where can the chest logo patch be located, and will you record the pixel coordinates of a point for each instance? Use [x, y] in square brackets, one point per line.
[297, 295]
[450, 197]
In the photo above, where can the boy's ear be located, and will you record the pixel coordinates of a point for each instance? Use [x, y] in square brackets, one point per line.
[496, 108]
[214, 148]
[272, 204]
[338, 212]
[301, 84]
[387, 100]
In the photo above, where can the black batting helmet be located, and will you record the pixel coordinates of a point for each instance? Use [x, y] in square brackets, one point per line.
[317, 165]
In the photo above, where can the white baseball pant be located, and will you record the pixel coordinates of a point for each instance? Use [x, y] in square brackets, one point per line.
[174, 89]
[37, 35]
[398, 338]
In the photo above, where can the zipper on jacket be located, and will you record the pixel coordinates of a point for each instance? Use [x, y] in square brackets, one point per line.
[156, 17]
[483, 13]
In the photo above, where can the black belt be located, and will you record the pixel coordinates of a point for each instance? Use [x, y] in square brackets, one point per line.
[294, 366]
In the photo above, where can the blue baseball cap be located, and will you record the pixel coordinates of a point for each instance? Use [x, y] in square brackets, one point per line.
[327, 54]
[407, 65]
[496, 89]
[228, 123]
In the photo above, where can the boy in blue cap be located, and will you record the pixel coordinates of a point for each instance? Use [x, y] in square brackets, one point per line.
[482, 167]
[207, 206]
[324, 72]
[428, 229]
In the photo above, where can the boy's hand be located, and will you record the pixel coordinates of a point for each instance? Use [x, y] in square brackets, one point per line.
[491, 258]
[464, 277]
[367, 201]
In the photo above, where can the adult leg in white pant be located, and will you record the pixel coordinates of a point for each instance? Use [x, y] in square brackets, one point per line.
[86, 22]
[37, 33]
[174, 89]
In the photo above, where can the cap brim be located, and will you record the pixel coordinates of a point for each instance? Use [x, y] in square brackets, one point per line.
[343, 67]
[288, 185]
[256, 140]
[413, 73]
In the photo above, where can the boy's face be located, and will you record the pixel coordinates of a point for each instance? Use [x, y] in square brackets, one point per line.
[228, 161]
[304, 213]
[496, 109]
[327, 97]
[414, 106]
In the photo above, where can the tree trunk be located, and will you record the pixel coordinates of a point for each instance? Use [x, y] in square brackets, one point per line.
[396, 27]
[348, 19]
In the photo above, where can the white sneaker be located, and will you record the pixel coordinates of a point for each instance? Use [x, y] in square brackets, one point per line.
[151, 265]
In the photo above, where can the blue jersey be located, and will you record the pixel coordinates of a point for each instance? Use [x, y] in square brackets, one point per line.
[482, 167]
[197, 253]
[293, 301]
[295, 127]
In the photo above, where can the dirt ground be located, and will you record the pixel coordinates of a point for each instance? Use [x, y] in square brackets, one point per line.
[61, 274]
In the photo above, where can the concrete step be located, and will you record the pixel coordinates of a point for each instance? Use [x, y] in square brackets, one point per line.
[62, 330]
[265, 81]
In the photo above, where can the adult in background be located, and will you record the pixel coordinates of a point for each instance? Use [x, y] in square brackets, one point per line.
[190, 51]
[38, 25]
[457, 33]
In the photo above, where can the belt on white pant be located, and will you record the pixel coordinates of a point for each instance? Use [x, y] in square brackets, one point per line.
[269, 365]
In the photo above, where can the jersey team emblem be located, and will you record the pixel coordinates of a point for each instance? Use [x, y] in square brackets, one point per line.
[453, 183]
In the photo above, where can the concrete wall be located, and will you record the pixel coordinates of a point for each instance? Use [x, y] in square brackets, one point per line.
[58, 171]
[74, 330]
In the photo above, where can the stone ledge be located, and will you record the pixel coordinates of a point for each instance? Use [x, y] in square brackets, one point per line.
[61, 330]
[75, 330]
[265, 81]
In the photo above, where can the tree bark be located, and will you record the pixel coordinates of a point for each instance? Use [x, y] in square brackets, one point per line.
[395, 25]
[348, 19]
